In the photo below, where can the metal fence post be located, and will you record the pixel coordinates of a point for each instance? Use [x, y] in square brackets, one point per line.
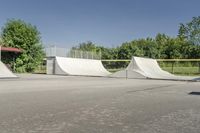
[75, 53]
[172, 67]
[126, 74]
[100, 54]
[87, 55]
[14, 64]
[199, 67]
[0, 53]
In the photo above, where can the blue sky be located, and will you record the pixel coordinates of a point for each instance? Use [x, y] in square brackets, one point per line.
[67, 23]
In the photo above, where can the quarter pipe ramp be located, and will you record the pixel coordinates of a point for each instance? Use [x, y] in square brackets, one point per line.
[76, 66]
[5, 72]
[148, 68]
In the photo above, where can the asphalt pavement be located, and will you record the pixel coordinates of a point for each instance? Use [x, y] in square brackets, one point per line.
[73, 104]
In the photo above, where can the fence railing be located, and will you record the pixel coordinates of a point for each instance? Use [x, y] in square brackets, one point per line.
[64, 52]
[127, 60]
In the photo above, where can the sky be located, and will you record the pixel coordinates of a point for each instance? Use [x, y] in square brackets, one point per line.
[66, 23]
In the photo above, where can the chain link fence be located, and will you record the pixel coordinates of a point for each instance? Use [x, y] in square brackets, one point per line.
[64, 52]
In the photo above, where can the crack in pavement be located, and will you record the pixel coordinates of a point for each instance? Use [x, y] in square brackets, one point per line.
[151, 88]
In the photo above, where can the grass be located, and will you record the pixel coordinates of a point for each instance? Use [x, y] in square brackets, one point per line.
[176, 70]
[183, 70]
[115, 70]
[40, 70]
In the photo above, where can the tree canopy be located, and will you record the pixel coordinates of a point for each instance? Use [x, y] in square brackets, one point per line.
[19, 34]
[160, 47]
[191, 31]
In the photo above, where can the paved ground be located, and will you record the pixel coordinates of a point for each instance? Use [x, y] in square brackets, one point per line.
[57, 104]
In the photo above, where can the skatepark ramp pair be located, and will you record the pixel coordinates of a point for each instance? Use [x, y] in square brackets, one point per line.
[140, 68]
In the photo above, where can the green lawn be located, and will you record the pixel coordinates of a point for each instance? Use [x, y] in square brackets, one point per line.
[176, 70]
[183, 70]
[41, 69]
[115, 70]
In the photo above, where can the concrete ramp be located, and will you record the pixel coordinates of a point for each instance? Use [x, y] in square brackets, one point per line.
[148, 68]
[77, 66]
[5, 72]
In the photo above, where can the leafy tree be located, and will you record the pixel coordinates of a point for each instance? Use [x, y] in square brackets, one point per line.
[19, 34]
[127, 50]
[173, 49]
[148, 46]
[109, 53]
[191, 31]
[1, 41]
[86, 46]
[161, 41]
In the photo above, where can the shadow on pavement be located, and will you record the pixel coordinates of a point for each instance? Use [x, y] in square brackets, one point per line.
[194, 93]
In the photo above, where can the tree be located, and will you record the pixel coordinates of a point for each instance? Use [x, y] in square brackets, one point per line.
[86, 46]
[161, 41]
[173, 49]
[19, 34]
[191, 31]
[1, 41]
[127, 50]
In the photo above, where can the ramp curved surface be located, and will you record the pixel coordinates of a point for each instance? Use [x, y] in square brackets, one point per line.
[148, 68]
[75, 66]
[5, 72]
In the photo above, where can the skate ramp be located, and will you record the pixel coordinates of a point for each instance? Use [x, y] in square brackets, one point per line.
[5, 72]
[148, 68]
[76, 66]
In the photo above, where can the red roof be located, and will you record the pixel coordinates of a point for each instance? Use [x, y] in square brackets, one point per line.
[10, 49]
